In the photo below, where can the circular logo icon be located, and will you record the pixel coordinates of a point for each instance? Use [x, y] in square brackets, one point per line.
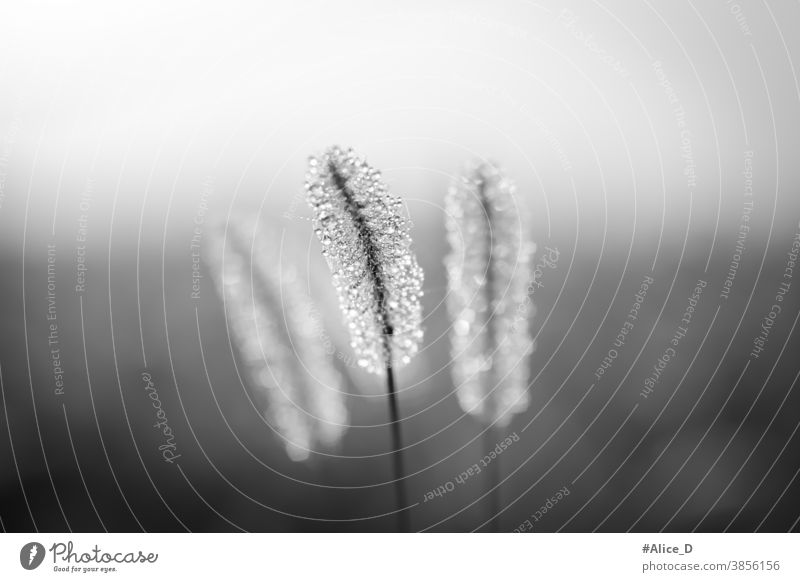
[31, 555]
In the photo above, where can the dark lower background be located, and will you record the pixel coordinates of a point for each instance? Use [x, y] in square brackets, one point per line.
[713, 448]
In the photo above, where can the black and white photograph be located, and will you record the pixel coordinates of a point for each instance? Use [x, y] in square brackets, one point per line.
[293, 268]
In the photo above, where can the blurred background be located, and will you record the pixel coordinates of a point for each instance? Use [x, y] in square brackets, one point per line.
[646, 140]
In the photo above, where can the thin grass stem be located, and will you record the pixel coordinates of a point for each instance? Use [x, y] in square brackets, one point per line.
[403, 524]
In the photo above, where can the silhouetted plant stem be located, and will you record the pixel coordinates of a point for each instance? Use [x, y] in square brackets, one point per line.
[494, 480]
[397, 454]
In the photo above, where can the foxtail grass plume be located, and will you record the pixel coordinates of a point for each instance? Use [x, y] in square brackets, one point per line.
[366, 243]
[271, 323]
[488, 270]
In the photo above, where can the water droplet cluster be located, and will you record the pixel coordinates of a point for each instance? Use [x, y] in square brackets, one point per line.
[488, 270]
[366, 243]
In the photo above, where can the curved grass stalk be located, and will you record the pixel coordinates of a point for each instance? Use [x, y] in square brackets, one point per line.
[270, 321]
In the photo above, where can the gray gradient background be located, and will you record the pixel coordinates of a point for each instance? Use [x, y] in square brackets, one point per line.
[144, 105]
